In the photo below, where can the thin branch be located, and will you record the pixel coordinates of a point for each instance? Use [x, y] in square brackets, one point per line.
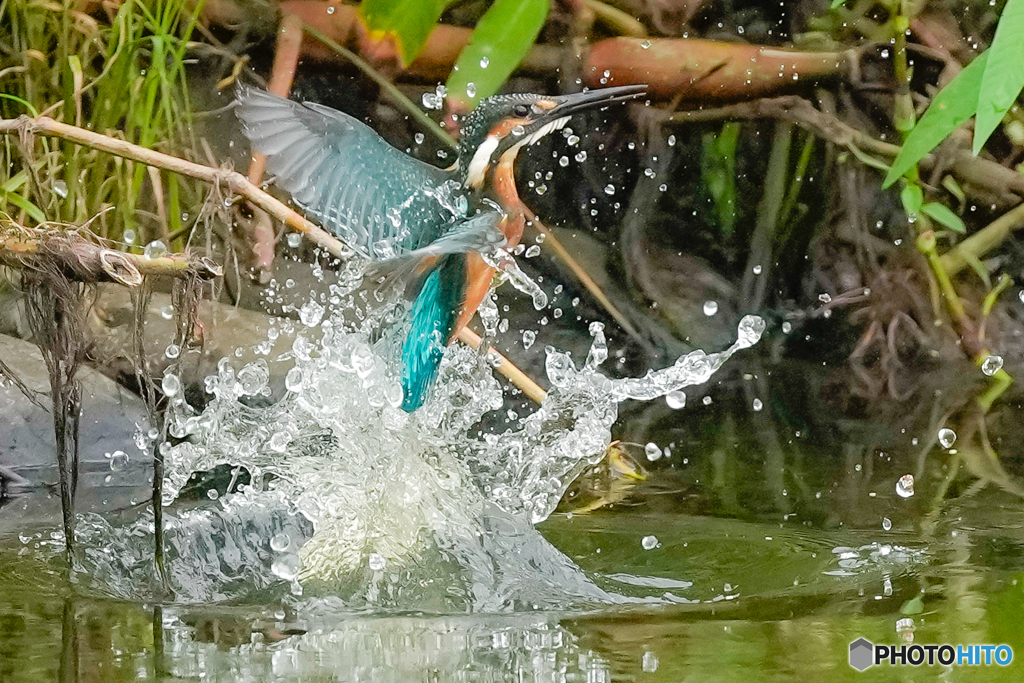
[236, 183]
[514, 374]
[232, 180]
[981, 242]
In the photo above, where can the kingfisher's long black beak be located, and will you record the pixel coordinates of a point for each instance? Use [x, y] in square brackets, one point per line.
[593, 99]
[564, 106]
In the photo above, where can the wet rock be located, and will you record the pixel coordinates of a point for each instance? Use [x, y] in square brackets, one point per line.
[110, 416]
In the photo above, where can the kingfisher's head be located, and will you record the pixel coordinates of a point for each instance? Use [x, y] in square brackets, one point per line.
[506, 123]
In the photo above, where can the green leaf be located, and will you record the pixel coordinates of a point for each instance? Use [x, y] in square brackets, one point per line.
[950, 109]
[409, 21]
[501, 39]
[1003, 78]
[912, 198]
[942, 215]
[31, 209]
[14, 182]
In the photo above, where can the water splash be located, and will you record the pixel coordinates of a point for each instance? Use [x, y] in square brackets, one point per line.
[382, 508]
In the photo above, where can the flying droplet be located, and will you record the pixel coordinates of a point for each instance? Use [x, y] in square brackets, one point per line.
[293, 380]
[676, 399]
[649, 662]
[471, 89]
[649, 542]
[376, 562]
[581, 156]
[645, 45]
[484, 62]
[280, 542]
[671, 140]
[992, 365]
[758, 406]
[609, 189]
[287, 566]
[652, 451]
[825, 298]
[886, 523]
[294, 240]
[563, 161]
[532, 251]
[129, 238]
[172, 351]
[947, 437]
[118, 461]
[710, 308]
[419, 138]
[155, 249]
[905, 486]
[756, 270]
[171, 385]
[529, 337]
[706, 400]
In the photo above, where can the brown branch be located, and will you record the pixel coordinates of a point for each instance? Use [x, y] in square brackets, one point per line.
[232, 180]
[85, 261]
[238, 184]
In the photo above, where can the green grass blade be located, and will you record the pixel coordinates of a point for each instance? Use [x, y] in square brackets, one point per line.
[409, 21]
[951, 108]
[1003, 78]
[942, 215]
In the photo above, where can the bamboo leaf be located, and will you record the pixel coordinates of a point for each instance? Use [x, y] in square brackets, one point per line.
[1003, 78]
[501, 39]
[912, 198]
[942, 215]
[950, 109]
[408, 21]
[28, 207]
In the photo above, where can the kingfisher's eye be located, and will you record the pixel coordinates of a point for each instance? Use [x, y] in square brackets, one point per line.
[521, 110]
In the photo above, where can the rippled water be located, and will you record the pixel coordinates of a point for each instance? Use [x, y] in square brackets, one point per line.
[371, 545]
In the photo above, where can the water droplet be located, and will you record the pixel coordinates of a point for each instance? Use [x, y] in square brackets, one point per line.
[213, 494]
[532, 251]
[649, 172]
[646, 44]
[947, 437]
[758, 405]
[280, 542]
[118, 461]
[825, 298]
[287, 566]
[293, 380]
[484, 62]
[649, 542]
[155, 249]
[1020, 295]
[419, 138]
[129, 237]
[529, 337]
[330, 9]
[649, 663]
[787, 327]
[573, 140]
[671, 140]
[992, 365]
[171, 385]
[253, 377]
[609, 189]
[676, 399]
[652, 451]
[886, 523]
[471, 89]
[432, 101]
[541, 189]
[518, 130]
[311, 313]
[905, 486]
[710, 308]
[581, 156]
[293, 240]
[756, 270]
[172, 351]
[563, 161]
[376, 562]
[706, 400]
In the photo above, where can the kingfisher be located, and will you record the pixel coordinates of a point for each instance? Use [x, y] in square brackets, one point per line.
[392, 208]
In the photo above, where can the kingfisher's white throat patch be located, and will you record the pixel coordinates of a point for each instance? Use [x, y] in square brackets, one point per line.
[477, 169]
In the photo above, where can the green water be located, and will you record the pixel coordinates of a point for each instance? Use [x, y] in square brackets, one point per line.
[772, 592]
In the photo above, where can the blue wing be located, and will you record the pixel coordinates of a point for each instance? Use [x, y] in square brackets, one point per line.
[433, 316]
[380, 202]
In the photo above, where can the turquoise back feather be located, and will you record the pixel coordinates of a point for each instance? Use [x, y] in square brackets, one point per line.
[433, 318]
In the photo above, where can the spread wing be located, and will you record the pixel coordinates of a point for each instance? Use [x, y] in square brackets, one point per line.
[380, 202]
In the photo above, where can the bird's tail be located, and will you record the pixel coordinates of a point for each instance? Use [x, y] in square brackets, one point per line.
[434, 313]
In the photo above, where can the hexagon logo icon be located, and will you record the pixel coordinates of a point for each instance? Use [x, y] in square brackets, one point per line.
[861, 654]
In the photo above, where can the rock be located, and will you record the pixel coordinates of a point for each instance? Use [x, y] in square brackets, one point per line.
[110, 416]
